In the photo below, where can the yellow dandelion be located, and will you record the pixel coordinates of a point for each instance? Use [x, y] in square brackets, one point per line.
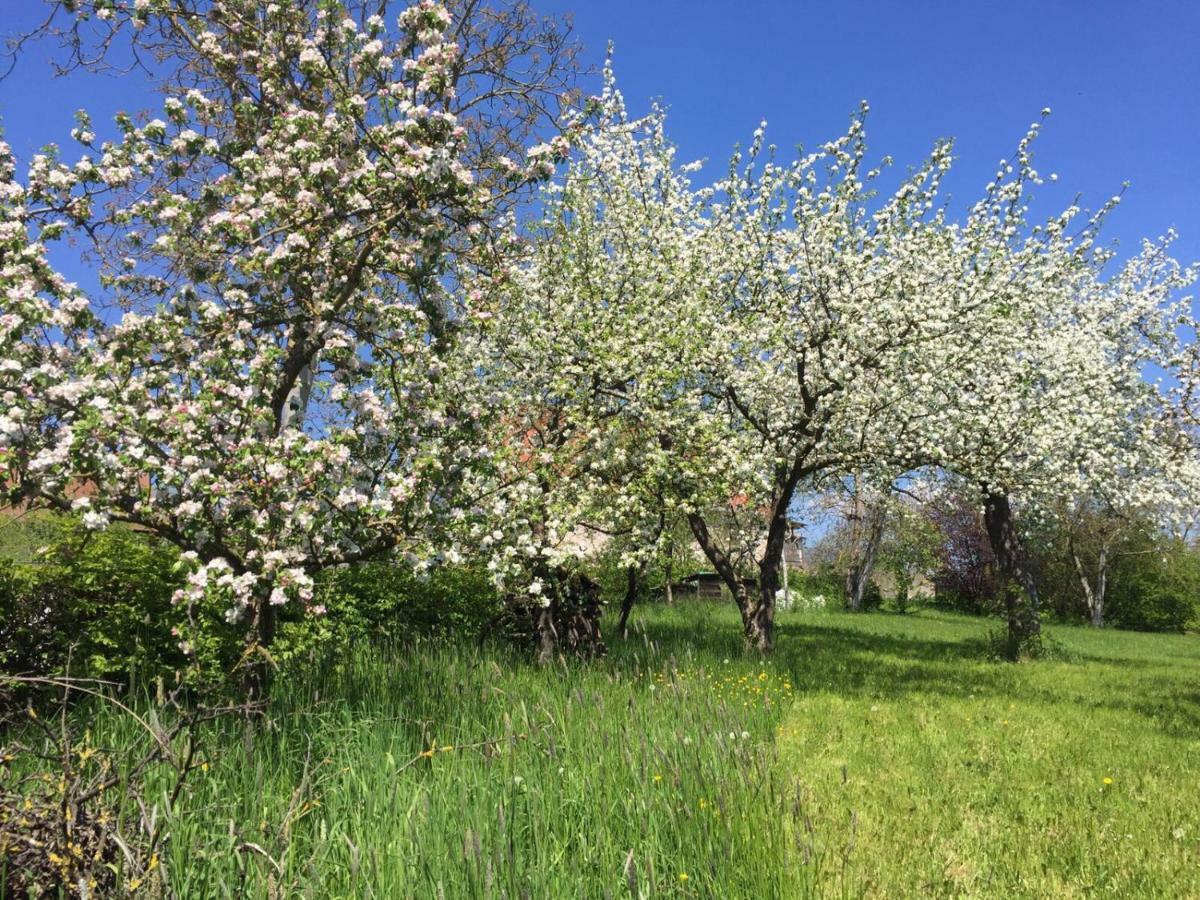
[683, 876]
[1108, 780]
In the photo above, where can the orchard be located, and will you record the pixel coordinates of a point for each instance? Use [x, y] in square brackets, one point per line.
[391, 347]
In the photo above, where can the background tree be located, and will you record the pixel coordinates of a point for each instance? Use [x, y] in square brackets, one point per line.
[1044, 386]
[867, 512]
[964, 572]
[908, 550]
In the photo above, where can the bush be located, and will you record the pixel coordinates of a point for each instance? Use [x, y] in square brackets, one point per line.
[1153, 578]
[96, 603]
[99, 604]
[872, 597]
[825, 579]
[386, 600]
[1156, 588]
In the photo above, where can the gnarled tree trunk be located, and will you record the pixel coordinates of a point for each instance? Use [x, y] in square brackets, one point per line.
[1013, 578]
[569, 622]
[256, 662]
[757, 607]
[737, 585]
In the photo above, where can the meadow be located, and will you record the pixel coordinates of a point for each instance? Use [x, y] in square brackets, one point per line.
[873, 755]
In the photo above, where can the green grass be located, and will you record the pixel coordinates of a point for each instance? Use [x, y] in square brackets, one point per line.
[874, 755]
[926, 771]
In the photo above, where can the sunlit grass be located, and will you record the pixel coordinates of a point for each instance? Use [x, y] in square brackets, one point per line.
[874, 755]
[926, 772]
[458, 773]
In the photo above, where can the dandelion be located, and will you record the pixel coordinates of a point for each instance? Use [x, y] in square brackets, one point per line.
[683, 876]
[1107, 780]
[658, 778]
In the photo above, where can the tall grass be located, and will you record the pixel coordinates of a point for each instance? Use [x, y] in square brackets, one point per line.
[432, 771]
[873, 755]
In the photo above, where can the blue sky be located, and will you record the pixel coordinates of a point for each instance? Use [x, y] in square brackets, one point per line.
[1122, 78]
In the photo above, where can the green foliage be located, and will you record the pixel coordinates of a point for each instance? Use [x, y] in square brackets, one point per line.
[608, 572]
[872, 597]
[909, 550]
[825, 579]
[384, 600]
[98, 603]
[1153, 578]
[1154, 586]
[674, 560]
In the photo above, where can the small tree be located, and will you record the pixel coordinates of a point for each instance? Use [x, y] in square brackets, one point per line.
[908, 549]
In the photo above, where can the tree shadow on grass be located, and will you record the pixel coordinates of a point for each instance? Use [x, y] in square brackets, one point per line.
[821, 656]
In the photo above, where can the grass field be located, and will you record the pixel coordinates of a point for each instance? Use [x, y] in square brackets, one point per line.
[873, 755]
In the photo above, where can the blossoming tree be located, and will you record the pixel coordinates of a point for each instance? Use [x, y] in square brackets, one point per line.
[261, 380]
[784, 327]
[567, 348]
[1046, 397]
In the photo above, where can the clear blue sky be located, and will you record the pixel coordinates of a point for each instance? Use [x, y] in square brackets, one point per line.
[1122, 77]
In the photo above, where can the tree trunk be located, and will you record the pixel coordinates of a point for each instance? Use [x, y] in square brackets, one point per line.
[724, 566]
[758, 615]
[256, 663]
[1093, 597]
[631, 591]
[1013, 578]
[569, 623]
[547, 632]
[861, 570]
[256, 677]
[760, 631]
[1101, 586]
[669, 571]
[760, 623]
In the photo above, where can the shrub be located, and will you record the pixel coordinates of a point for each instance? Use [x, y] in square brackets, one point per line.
[1156, 588]
[96, 603]
[872, 596]
[386, 600]
[99, 605]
